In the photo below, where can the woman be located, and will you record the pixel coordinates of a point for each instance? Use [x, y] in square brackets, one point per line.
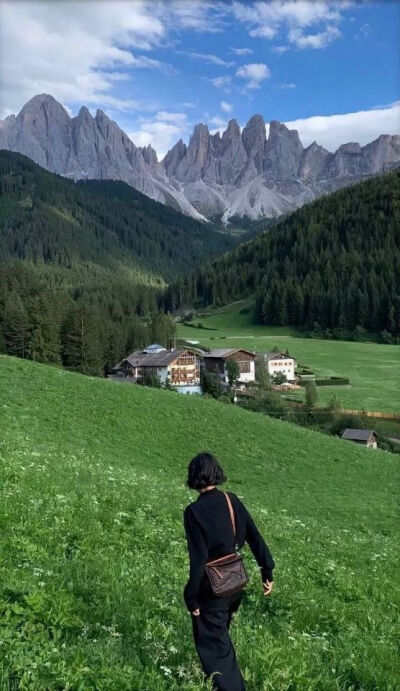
[209, 535]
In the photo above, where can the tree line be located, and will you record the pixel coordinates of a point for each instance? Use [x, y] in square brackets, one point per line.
[332, 265]
[51, 316]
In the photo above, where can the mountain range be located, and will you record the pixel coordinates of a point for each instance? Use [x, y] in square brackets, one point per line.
[240, 173]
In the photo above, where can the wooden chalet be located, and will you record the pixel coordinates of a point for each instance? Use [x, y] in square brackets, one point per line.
[180, 367]
[216, 361]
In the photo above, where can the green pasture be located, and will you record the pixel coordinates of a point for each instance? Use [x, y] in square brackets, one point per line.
[373, 369]
[93, 558]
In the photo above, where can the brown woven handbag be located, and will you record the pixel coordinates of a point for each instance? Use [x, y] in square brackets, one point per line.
[227, 574]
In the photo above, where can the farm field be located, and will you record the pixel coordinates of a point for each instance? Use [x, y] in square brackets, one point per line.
[373, 369]
[93, 560]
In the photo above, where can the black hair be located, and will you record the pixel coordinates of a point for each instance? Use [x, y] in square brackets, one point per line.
[204, 470]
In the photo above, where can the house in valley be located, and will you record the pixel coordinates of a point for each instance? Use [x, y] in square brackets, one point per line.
[216, 361]
[280, 363]
[179, 367]
[365, 437]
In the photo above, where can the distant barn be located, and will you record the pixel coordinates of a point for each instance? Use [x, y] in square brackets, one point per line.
[365, 437]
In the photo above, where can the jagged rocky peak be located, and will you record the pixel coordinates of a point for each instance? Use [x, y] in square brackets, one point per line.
[173, 157]
[313, 161]
[278, 130]
[200, 135]
[254, 135]
[283, 151]
[149, 155]
[42, 101]
[197, 150]
[254, 138]
[350, 148]
[232, 131]
[236, 173]
[43, 112]
[102, 120]
[84, 114]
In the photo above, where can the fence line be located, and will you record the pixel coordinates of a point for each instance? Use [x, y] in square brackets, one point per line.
[370, 413]
[345, 411]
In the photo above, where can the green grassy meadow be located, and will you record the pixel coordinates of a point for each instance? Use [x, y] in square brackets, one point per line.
[373, 369]
[93, 559]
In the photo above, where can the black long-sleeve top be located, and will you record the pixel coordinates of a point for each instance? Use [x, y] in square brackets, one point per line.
[210, 535]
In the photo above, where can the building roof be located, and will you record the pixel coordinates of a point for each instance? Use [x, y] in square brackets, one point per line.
[358, 434]
[223, 353]
[163, 358]
[273, 355]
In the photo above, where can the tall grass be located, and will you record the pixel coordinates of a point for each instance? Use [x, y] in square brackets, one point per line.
[93, 560]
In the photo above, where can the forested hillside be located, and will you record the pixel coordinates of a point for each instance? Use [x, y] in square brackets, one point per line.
[48, 218]
[333, 264]
[82, 265]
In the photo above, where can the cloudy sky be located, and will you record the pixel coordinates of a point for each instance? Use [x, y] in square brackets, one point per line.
[329, 69]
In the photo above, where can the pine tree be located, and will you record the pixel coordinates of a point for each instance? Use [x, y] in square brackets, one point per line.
[81, 342]
[16, 327]
[44, 343]
[311, 396]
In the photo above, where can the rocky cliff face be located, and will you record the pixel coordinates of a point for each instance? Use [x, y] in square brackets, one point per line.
[238, 173]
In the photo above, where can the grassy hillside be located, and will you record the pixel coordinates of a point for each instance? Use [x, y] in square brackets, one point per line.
[373, 369]
[93, 558]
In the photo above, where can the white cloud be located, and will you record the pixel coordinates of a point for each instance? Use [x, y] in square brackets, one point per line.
[280, 49]
[222, 82]
[293, 12]
[226, 107]
[204, 16]
[267, 19]
[71, 49]
[365, 31]
[287, 85]
[162, 131]
[242, 51]
[220, 123]
[263, 32]
[254, 73]
[171, 117]
[318, 40]
[363, 126]
[208, 57]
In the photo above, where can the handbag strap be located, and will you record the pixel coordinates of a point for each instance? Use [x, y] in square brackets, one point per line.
[232, 515]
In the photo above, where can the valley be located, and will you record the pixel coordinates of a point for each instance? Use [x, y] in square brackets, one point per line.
[199, 286]
[373, 369]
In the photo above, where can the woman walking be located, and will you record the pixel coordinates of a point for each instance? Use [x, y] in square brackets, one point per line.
[215, 524]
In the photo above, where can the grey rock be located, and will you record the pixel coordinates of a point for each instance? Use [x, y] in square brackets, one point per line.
[238, 173]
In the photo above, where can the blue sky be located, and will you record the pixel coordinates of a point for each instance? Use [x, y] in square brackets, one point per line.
[330, 69]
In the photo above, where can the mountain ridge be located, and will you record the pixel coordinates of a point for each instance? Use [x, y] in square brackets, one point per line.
[238, 173]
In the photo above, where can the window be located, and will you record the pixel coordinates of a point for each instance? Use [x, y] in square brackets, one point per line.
[244, 366]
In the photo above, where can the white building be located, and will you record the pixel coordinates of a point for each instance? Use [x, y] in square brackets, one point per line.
[279, 363]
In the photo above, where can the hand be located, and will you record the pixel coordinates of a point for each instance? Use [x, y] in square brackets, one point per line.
[268, 585]
[196, 612]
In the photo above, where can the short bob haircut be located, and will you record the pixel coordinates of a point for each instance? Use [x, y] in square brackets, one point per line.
[204, 470]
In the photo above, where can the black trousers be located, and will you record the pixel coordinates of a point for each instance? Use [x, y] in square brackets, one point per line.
[213, 642]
